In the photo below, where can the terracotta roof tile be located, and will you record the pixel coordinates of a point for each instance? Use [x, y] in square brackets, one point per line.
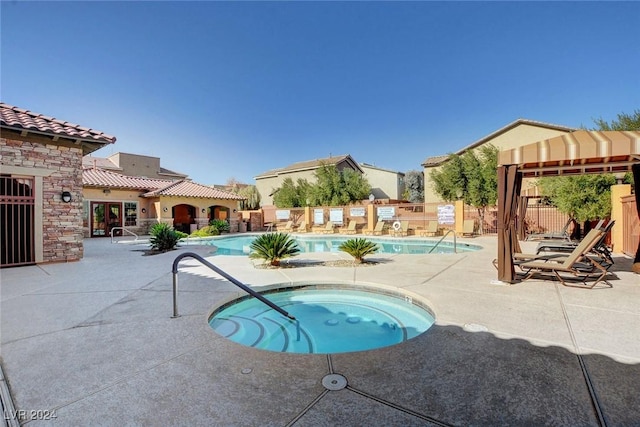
[18, 118]
[191, 189]
[95, 177]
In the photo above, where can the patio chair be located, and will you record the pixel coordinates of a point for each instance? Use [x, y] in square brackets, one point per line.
[599, 249]
[577, 263]
[468, 227]
[329, 228]
[351, 229]
[557, 235]
[302, 227]
[376, 231]
[431, 230]
[288, 227]
[402, 230]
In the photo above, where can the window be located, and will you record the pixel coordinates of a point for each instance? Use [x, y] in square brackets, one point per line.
[130, 213]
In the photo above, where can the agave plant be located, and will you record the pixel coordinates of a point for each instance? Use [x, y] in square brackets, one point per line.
[358, 248]
[163, 237]
[273, 247]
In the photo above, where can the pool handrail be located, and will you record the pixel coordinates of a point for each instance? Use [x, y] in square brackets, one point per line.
[123, 229]
[236, 282]
[455, 250]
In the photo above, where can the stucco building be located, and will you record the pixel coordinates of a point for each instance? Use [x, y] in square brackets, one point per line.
[516, 134]
[385, 184]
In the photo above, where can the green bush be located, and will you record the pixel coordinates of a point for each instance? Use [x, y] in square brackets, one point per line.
[180, 234]
[206, 232]
[273, 247]
[358, 248]
[163, 237]
[220, 224]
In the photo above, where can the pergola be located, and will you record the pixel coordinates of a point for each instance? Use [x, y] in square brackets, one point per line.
[578, 152]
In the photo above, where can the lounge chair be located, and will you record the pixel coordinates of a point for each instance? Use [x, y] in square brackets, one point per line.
[468, 227]
[578, 263]
[557, 235]
[288, 227]
[376, 231]
[431, 230]
[329, 228]
[351, 229]
[600, 249]
[302, 227]
[402, 231]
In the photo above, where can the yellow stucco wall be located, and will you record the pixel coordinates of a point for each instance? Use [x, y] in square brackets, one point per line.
[520, 135]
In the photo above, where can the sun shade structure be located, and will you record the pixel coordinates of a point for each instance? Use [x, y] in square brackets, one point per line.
[578, 152]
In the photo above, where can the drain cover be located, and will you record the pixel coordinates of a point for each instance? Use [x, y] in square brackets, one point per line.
[334, 382]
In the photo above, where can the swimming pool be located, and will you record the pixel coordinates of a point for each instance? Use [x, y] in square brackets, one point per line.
[240, 245]
[329, 319]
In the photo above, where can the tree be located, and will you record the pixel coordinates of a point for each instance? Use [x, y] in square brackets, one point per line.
[252, 196]
[334, 187]
[582, 197]
[414, 186]
[624, 122]
[471, 177]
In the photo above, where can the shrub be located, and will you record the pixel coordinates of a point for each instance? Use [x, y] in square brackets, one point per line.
[358, 248]
[163, 237]
[206, 232]
[220, 224]
[273, 247]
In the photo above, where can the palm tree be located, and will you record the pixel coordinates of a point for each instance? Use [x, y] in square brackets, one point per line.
[358, 248]
[273, 247]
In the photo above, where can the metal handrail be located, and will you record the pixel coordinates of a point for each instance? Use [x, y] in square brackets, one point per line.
[455, 245]
[123, 229]
[236, 282]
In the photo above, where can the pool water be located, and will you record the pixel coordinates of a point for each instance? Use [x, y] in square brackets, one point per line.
[327, 321]
[240, 245]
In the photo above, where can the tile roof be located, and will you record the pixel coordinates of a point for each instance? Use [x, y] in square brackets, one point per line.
[20, 119]
[308, 164]
[191, 189]
[96, 177]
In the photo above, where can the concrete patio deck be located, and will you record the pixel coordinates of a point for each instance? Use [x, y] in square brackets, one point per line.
[93, 343]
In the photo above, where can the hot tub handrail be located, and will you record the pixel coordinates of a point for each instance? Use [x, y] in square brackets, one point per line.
[123, 229]
[236, 282]
[442, 238]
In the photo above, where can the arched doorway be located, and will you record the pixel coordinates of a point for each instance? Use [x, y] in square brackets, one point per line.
[219, 212]
[183, 217]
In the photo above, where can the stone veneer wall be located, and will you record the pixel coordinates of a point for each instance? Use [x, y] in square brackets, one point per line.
[62, 222]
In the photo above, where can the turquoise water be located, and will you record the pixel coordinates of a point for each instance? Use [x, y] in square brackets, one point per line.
[239, 245]
[327, 321]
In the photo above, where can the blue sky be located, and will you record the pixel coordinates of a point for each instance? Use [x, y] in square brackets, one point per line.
[223, 90]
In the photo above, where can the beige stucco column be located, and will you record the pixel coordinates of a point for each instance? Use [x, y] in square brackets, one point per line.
[617, 193]
[307, 216]
[459, 217]
[371, 217]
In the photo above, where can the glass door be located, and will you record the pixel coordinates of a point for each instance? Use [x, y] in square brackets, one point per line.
[104, 217]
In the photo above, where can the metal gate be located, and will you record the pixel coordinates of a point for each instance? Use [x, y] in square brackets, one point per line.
[17, 202]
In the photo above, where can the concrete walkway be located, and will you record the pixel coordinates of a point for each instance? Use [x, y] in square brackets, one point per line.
[93, 343]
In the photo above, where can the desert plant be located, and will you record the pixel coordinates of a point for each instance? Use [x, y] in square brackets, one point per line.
[220, 224]
[358, 248]
[273, 247]
[163, 237]
[206, 232]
